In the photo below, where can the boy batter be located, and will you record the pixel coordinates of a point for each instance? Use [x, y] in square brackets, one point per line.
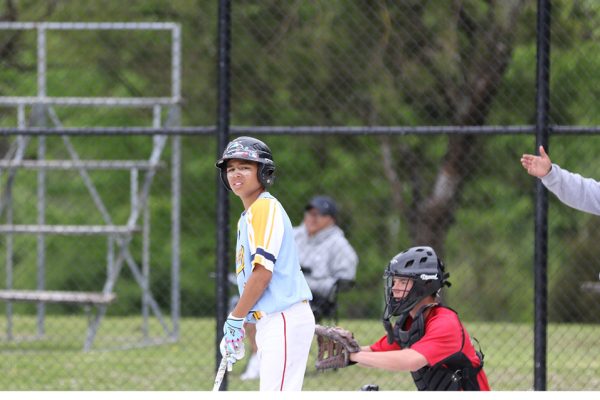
[273, 292]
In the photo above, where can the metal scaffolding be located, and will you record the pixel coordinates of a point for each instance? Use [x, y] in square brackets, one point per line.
[142, 173]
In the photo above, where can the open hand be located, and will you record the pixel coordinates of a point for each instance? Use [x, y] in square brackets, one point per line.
[537, 166]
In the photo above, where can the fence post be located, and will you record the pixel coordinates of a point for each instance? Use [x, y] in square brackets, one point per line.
[224, 34]
[541, 205]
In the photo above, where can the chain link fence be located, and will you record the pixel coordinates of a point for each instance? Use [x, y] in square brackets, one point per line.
[75, 217]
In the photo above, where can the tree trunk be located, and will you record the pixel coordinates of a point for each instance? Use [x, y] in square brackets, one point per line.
[431, 214]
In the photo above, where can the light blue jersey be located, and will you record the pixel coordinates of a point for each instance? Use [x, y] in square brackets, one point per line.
[265, 236]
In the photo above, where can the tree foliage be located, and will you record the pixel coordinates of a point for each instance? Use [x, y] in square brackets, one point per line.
[351, 64]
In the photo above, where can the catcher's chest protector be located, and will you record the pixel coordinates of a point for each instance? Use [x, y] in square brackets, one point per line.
[455, 372]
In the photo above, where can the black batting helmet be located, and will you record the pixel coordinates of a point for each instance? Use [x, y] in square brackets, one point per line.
[423, 266]
[251, 149]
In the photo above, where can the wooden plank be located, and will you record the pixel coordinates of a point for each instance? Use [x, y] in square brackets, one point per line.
[69, 229]
[51, 296]
[84, 164]
[591, 287]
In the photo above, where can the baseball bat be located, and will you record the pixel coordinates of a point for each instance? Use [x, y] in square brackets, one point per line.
[220, 374]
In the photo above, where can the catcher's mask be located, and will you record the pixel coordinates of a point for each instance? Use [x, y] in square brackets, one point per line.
[424, 268]
[251, 149]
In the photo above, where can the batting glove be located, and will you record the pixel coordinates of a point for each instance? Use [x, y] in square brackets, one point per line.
[233, 333]
[232, 358]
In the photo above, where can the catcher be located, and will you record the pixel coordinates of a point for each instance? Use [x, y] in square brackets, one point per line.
[426, 337]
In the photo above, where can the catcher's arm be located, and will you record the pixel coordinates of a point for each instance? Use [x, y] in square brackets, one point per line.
[395, 360]
[334, 347]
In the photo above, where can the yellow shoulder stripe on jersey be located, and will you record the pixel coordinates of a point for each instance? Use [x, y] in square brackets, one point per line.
[263, 216]
[271, 223]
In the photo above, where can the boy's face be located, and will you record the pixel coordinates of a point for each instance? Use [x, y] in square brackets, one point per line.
[401, 287]
[242, 176]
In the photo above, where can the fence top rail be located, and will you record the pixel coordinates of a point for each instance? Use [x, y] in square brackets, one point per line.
[302, 130]
[89, 101]
[383, 130]
[90, 25]
[410, 130]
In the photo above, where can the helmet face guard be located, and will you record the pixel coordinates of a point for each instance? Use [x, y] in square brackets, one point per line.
[396, 306]
[424, 268]
[250, 149]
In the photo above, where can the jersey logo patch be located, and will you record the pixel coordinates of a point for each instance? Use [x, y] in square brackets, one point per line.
[239, 261]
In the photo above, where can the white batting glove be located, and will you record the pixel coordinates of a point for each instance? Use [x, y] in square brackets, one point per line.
[234, 357]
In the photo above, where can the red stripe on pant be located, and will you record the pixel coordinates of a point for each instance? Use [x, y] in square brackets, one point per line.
[284, 351]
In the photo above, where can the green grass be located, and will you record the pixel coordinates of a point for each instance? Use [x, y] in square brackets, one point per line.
[57, 361]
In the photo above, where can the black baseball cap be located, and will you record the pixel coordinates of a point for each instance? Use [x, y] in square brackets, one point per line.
[324, 204]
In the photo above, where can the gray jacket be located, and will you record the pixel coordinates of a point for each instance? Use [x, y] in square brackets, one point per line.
[573, 189]
[325, 257]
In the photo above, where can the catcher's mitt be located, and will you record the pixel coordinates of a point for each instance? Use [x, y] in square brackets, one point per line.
[335, 345]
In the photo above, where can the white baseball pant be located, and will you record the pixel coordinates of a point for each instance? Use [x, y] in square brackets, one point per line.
[283, 340]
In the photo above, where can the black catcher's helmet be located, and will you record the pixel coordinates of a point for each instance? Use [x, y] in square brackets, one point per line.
[249, 148]
[423, 266]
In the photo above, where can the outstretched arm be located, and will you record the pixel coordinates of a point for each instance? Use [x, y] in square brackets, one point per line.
[397, 360]
[572, 189]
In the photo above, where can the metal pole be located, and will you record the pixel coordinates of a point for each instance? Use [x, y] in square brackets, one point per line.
[9, 220]
[224, 33]
[175, 235]
[541, 205]
[176, 187]
[40, 120]
[41, 240]
[156, 122]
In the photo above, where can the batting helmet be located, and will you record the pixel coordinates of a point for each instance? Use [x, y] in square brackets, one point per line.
[251, 149]
[426, 270]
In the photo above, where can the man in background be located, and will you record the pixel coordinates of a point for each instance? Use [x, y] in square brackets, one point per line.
[325, 254]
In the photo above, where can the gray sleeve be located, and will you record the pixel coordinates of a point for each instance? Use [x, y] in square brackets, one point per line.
[573, 189]
[345, 261]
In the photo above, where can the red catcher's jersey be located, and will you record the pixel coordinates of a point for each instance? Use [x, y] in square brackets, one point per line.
[442, 338]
